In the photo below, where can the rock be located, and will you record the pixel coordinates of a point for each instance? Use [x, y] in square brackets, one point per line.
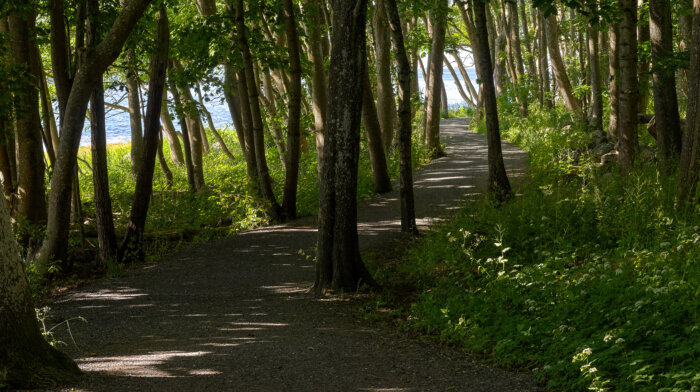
[602, 149]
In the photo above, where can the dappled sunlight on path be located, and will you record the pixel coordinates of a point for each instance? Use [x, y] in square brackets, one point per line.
[235, 314]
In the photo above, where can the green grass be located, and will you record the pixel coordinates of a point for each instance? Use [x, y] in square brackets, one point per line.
[588, 281]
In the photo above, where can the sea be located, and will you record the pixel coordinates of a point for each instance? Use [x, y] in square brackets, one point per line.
[119, 130]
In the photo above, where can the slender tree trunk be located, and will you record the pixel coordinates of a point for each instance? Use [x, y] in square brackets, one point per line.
[185, 136]
[164, 164]
[338, 263]
[408, 213]
[194, 127]
[256, 117]
[499, 72]
[170, 133]
[377, 157]
[629, 93]
[132, 87]
[439, 15]
[247, 121]
[318, 77]
[212, 127]
[289, 199]
[31, 202]
[544, 62]
[499, 186]
[668, 124]
[643, 74]
[521, 88]
[559, 68]
[458, 84]
[691, 136]
[131, 248]
[595, 118]
[685, 31]
[386, 108]
[614, 90]
[107, 240]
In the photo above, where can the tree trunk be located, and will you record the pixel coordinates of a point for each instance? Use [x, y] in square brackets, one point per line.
[668, 126]
[185, 139]
[643, 31]
[458, 84]
[170, 133]
[544, 62]
[31, 202]
[107, 241]
[595, 118]
[27, 361]
[629, 94]
[318, 77]
[132, 87]
[131, 248]
[685, 31]
[521, 87]
[432, 132]
[74, 99]
[559, 68]
[386, 108]
[408, 213]
[498, 186]
[289, 199]
[338, 263]
[164, 164]
[614, 89]
[691, 136]
[212, 127]
[377, 156]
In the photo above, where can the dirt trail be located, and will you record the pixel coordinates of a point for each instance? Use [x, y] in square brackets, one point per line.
[234, 315]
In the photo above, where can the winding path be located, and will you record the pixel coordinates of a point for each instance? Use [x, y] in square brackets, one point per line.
[234, 315]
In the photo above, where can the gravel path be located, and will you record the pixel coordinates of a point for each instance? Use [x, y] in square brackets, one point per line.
[234, 314]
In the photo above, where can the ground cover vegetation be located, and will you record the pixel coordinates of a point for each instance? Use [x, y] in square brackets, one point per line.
[585, 278]
[587, 273]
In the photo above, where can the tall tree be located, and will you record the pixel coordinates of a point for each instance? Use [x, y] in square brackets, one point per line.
[691, 136]
[559, 68]
[614, 85]
[377, 155]
[499, 186]
[408, 213]
[107, 241]
[595, 117]
[74, 94]
[27, 361]
[131, 248]
[434, 82]
[338, 262]
[31, 192]
[668, 124]
[289, 199]
[629, 92]
[385, 90]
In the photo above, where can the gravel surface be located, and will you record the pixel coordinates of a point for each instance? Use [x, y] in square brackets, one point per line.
[234, 314]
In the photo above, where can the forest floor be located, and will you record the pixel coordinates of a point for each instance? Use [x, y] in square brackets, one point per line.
[235, 313]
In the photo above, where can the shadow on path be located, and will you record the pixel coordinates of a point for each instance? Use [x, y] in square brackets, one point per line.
[234, 314]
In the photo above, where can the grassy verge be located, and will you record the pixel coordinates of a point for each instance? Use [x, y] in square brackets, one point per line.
[588, 281]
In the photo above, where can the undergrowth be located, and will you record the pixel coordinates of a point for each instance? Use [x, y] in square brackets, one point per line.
[589, 281]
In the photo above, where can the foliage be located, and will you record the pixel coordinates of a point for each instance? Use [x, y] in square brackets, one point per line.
[589, 281]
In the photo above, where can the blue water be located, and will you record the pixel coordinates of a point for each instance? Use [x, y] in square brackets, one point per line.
[119, 130]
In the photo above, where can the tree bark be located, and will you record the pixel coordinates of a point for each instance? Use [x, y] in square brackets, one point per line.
[132, 87]
[668, 127]
[643, 31]
[432, 133]
[74, 105]
[559, 68]
[691, 136]
[257, 125]
[386, 108]
[107, 241]
[27, 361]
[629, 93]
[170, 133]
[614, 89]
[319, 100]
[131, 247]
[377, 156]
[338, 263]
[408, 213]
[521, 86]
[547, 99]
[685, 31]
[498, 186]
[289, 199]
[595, 118]
[31, 202]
